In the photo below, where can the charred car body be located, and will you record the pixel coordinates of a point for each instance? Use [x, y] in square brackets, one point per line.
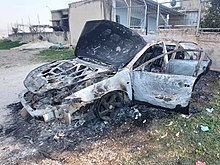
[113, 66]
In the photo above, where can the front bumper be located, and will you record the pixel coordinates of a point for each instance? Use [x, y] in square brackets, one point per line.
[48, 112]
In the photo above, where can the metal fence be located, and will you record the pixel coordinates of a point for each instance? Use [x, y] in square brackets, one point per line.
[188, 15]
[141, 16]
[205, 17]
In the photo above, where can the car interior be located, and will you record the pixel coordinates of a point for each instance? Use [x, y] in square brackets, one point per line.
[183, 63]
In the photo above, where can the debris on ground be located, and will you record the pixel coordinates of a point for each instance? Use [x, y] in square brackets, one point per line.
[209, 110]
[171, 123]
[59, 136]
[57, 46]
[186, 116]
[200, 163]
[91, 140]
[165, 135]
[177, 134]
[204, 128]
[135, 113]
[36, 45]
[194, 111]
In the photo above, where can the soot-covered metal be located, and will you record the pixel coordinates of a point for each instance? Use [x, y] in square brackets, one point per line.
[114, 66]
[108, 42]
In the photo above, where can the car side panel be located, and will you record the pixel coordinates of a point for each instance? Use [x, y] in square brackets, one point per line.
[164, 90]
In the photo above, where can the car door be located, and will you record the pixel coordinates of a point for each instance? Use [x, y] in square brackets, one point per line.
[164, 90]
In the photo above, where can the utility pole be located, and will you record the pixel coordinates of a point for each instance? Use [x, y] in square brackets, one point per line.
[199, 18]
[50, 11]
[38, 18]
[146, 20]
[8, 28]
[158, 15]
[22, 22]
[29, 21]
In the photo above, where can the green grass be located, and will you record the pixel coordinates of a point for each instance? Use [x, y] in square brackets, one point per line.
[56, 54]
[179, 140]
[7, 44]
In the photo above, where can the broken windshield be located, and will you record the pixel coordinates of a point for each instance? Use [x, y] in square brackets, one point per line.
[108, 42]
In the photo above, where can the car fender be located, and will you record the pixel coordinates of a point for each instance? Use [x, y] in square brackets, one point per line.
[121, 81]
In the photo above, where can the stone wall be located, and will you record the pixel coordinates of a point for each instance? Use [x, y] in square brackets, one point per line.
[54, 37]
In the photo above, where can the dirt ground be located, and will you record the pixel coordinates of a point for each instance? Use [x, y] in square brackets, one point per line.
[14, 66]
[94, 142]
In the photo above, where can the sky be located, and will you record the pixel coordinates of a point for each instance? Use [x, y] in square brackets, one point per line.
[19, 11]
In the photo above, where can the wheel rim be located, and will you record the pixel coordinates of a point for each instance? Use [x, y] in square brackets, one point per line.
[109, 105]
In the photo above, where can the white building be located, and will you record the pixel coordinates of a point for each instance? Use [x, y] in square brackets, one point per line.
[140, 15]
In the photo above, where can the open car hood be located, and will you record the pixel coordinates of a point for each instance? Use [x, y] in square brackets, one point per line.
[108, 42]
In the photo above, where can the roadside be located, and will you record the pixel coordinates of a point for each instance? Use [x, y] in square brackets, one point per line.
[14, 66]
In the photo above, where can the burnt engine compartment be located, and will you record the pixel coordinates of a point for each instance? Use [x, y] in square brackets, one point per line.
[59, 74]
[50, 84]
[55, 97]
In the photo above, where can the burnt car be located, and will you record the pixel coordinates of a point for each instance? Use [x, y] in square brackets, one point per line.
[114, 66]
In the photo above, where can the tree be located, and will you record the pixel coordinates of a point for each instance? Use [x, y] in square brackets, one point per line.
[212, 17]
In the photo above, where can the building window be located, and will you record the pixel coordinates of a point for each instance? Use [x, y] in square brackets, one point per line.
[135, 22]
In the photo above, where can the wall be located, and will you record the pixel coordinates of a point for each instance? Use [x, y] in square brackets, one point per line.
[60, 18]
[122, 12]
[54, 37]
[210, 42]
[152, 24]
[189, 19]
[80, 12]
[56, 18]
[190, 5]
[56, 15]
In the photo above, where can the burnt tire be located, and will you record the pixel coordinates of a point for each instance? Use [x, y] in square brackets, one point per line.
[108, 105]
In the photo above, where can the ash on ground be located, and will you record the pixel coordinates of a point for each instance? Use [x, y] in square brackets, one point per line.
[41, 140]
